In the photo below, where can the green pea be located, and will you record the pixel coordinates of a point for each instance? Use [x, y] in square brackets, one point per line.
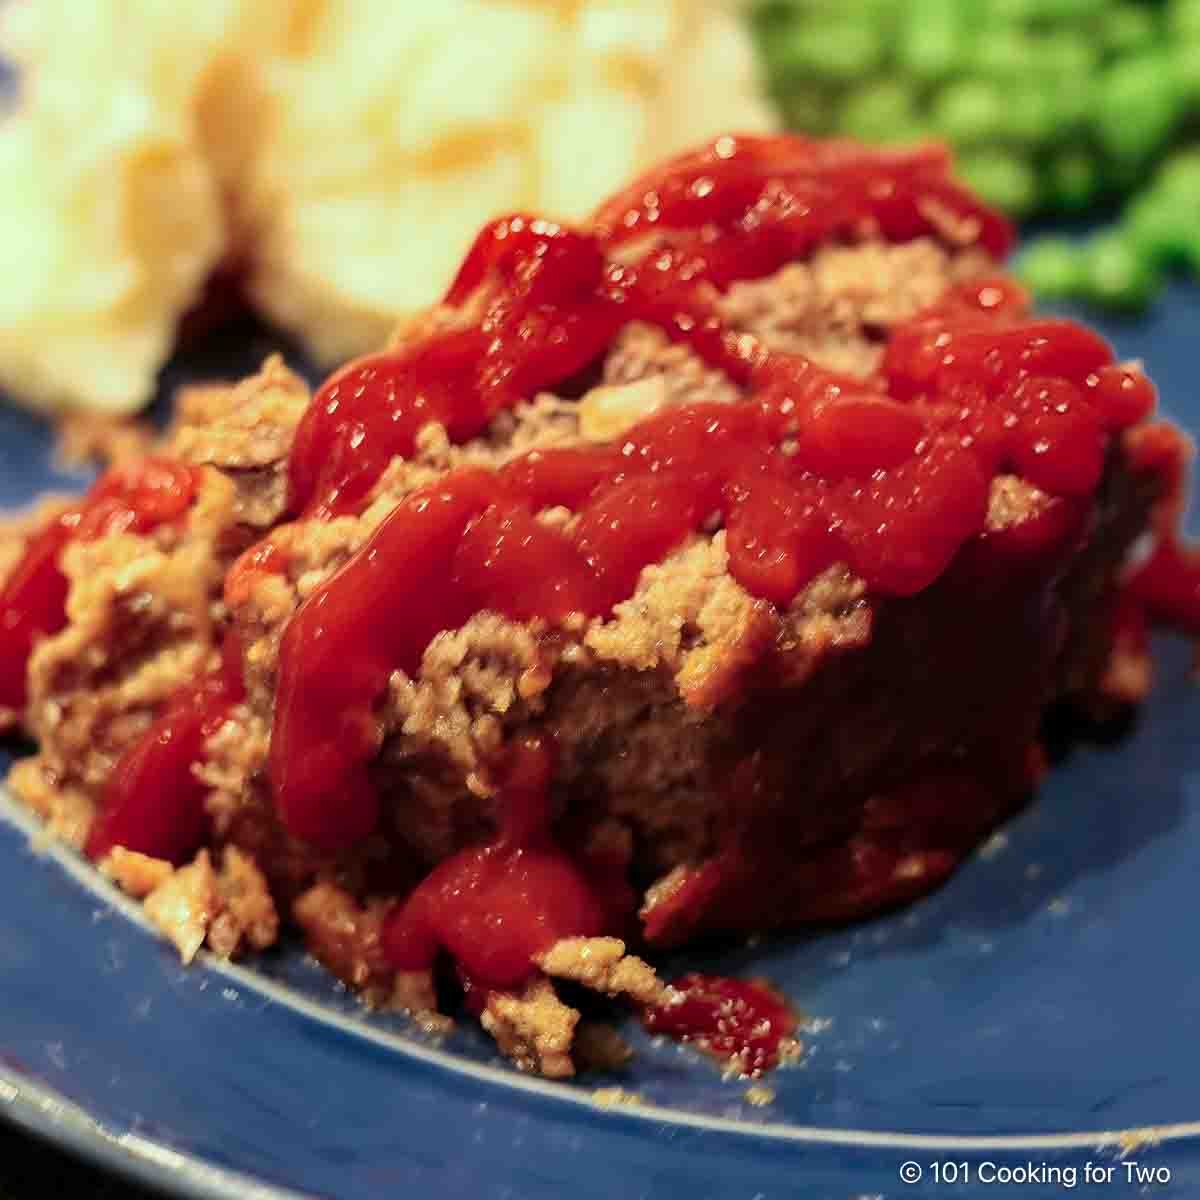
[932, 41]
[838, 50]
[886, 17]
[777, 50]
[1003, 179]
[1070, 11]
[931, 12]
[1116, 275]
[972, 15]
[1001, 54]
[931, 52]
[881, 111]
[1064, 56]
[1125, 175]
[1179, 175]
[1138, 106]
[1158, 229]
[1072, 179]
[1074, 103]
[1015, 53]
[1053, 267]
[1127, 28]
[881, 13]
[968, 113]
[1183, 19]
[1031, 115]
[1186, 61]
[769, 17]
[1053, 102]
[1013, 12]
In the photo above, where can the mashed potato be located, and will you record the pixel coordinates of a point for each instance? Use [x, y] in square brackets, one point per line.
[341, 152]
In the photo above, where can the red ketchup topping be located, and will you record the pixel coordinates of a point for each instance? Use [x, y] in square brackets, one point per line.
[890, 476]
[135, 497]
[542, 318]
[1166, 587]
[738, 1021]
[495, 907]
[154, 802]
[263, 558]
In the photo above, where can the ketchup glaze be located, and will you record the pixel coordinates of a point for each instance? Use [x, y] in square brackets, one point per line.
[494, 907]
[738, 1021]
[1165, 589]
[135, 497]
[154, 801]
[890, 476]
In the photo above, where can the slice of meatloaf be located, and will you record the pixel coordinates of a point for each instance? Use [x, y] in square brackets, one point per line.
[650, 705]
[723, 761]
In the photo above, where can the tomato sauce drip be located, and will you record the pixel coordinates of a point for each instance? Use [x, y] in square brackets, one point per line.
[737, 1021]
[542, 318]
[890, 476]
[495, 907]
[262, 558]
[1166, 587]
[154, 802]
[136, 498]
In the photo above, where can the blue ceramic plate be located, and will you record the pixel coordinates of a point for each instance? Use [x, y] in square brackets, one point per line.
[1038, 1013]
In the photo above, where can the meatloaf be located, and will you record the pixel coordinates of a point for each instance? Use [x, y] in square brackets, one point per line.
[705, 569]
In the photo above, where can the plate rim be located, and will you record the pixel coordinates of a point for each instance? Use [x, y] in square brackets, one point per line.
[43, 845]
[42, 1112]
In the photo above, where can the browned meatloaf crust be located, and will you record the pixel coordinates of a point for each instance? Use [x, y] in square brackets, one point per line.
[843, 696]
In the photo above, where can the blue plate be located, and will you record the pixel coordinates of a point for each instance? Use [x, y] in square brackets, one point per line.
[1037, 1014]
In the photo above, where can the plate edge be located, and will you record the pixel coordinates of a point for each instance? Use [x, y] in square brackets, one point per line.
[44, 846]
[40, 1111]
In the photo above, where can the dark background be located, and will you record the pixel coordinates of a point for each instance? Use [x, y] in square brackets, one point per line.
[31, 1170]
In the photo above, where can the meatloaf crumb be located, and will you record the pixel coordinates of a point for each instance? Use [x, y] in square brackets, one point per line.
[343, 935]
[135, 874]
[246, 431]
[534, 1028]
[615, 1097]
[184, 904]
[602, 965]
[230, 910]
[414, 992]
[247, 917]
[1128, 675]
[67, 809]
